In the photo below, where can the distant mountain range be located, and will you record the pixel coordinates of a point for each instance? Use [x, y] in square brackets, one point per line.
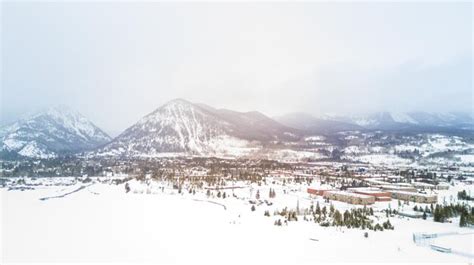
[55, 131]
[182, 127]
[420, 121]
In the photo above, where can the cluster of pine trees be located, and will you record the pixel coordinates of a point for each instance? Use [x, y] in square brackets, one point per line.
[272, 193]
[425, 210]
[289, 215]
[462, 195]
[353, 218]
[223, 194]
[442, 213]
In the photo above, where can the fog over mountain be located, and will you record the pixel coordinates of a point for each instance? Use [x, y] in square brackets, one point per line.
[125, 60]
[181, 127]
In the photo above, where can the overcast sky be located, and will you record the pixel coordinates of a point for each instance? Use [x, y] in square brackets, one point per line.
[116, 62]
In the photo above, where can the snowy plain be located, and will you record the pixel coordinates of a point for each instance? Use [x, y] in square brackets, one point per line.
[100, 223]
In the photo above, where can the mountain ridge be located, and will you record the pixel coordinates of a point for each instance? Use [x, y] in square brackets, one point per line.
[422, 121]
[183, 127]
[51, 132]
[180, 126]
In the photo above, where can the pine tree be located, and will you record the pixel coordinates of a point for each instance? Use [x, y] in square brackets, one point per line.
[462, 220]
[257, 196]
[318, 209]
[337, 218]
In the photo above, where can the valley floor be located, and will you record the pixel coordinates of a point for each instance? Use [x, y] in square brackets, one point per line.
[102, 223]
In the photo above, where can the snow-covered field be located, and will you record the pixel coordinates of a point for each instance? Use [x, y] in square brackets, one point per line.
[97, 222]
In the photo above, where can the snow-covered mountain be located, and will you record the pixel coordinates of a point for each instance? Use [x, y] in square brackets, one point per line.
[311, 124]
[379, 121]
[49, 133]
[412, 120]
[183, 127]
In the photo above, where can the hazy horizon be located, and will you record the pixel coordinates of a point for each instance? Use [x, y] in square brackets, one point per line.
[109, 60]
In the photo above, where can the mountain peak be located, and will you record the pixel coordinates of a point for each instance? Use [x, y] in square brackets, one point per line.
[182, 127]
[50, 132]
[179, 101]
[62, 112]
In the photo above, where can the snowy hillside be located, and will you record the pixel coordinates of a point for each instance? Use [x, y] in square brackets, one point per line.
[49, 133]
[181, 127]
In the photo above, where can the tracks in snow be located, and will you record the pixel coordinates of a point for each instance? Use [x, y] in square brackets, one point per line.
[65, 194]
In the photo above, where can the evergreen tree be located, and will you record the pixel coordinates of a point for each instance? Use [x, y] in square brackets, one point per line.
[337, 218]
[331, 210]
[318, 209]
[462, 220]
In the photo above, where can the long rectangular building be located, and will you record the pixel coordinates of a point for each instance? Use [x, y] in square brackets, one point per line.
[414, 196]
[380, 195]
[349, 197]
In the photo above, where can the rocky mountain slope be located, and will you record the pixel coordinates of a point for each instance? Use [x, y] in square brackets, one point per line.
[183, 127]
[57, 130]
